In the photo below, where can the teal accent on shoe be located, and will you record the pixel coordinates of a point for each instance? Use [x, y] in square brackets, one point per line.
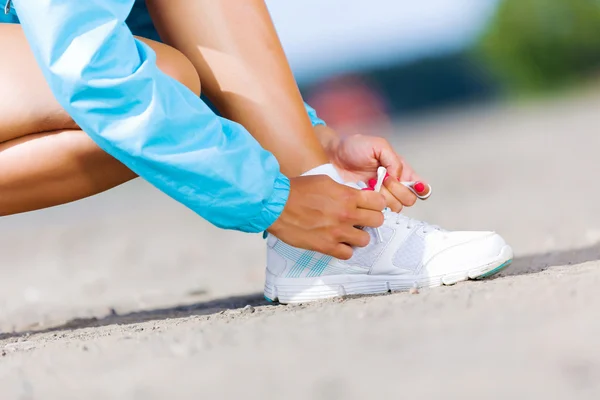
[495, 270]
[268, 299]
[303, 262]
[319, 266]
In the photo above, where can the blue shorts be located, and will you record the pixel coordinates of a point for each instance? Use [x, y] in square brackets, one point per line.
[139, 20]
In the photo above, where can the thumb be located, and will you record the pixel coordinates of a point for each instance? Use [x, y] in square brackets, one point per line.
[388, 158]
[408, 173]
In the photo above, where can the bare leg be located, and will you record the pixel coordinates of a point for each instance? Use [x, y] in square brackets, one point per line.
[45, 160]
[244, 72]
[46, 169]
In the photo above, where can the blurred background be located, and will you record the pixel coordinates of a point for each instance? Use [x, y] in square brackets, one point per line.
[362, 62]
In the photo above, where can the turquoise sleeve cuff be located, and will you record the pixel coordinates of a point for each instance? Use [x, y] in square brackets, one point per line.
[272, 209]
[312, 114]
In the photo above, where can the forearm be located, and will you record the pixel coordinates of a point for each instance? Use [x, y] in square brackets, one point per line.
[244, 72]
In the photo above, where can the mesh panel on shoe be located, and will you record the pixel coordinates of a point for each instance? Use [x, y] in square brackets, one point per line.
[410, 255]
[366, 256]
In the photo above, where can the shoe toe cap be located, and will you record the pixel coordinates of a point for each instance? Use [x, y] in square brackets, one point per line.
[466, 250]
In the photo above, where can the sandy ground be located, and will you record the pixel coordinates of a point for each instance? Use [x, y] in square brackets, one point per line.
[130, 296]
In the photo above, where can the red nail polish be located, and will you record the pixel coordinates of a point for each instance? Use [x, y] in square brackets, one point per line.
[372, 183]
[368, 188]
[419, 187]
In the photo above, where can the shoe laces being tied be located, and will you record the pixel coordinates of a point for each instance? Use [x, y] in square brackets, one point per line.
[397, 218]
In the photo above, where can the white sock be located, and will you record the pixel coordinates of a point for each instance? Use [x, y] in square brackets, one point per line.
[325, 169]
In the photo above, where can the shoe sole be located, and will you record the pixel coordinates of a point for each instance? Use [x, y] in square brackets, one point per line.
[304, 290]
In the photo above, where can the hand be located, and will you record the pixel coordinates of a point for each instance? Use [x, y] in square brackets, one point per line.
[323, 216]
[357, 158]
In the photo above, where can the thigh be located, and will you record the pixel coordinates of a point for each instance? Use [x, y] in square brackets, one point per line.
[27, 104]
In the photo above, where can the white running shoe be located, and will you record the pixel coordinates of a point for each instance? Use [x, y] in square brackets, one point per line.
[404, 254]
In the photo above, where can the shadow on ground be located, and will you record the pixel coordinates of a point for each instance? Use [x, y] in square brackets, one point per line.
[521, 266]
[539, 262]
[179, 311]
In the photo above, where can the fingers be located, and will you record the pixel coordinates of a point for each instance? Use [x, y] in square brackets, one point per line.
[423, 189]
[392, 202]
[369, 200]
[372, 219]
[400, 192]
[353, 237]
[388, 158]
[345, 240]
[341, 251]
[408, 174]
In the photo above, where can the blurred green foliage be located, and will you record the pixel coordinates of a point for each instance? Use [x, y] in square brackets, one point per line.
[539, 45]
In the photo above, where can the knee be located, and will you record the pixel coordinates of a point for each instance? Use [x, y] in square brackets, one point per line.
[175, 64]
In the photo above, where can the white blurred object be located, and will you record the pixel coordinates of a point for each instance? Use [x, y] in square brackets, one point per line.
[323, 37]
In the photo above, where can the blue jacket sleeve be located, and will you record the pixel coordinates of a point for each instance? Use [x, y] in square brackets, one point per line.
[312, 114]
[110, 85]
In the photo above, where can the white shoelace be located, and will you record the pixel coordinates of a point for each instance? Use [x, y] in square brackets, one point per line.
[409, 223]
[403, 221]
[388, 214]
